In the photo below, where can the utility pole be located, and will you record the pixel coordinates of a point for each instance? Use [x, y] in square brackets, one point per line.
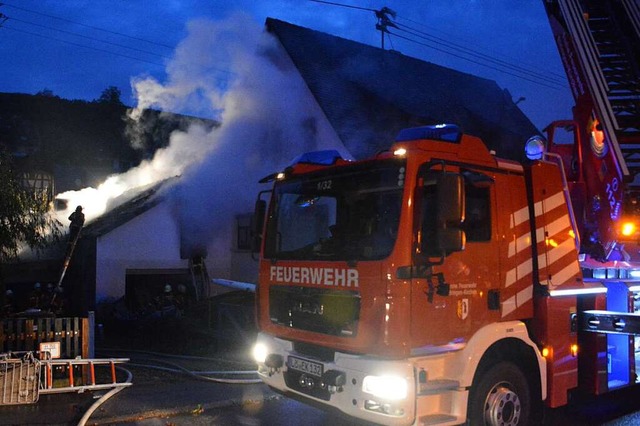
[384, 21]
[383, 17]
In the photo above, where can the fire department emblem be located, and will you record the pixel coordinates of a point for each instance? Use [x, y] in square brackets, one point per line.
[463, 308]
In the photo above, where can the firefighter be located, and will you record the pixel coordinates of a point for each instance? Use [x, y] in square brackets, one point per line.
[57, 302]
[77, 220]
[181, 297]
[36, 297]
[168, 300]
[165, 303]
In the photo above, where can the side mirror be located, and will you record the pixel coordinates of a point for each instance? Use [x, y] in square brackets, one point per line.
[450, 212]
[257, 224]
[451, 240]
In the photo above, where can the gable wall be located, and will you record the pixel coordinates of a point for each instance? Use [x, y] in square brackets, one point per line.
[148, 241]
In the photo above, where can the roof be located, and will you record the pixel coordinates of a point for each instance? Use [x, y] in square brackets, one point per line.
[369, 94]
[132, 204]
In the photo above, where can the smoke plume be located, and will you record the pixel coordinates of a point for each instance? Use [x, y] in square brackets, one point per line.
[237, 74]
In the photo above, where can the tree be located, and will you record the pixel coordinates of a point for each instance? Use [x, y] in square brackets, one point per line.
[46, 93]
[110, 95]
[24, 215]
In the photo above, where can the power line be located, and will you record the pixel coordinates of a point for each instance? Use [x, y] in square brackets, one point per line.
[81, 45]
[382, 15]
[344, 5]
[88, 37]
[218, 79]
[561, 77]
[481, 56]
[88, 26]
[75, 34]
[550, 80]
[478, 63]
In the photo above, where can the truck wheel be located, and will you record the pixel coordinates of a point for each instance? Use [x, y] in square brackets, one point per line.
[501, 397]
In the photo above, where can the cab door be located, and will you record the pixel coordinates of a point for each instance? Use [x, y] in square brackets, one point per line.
[455, 292]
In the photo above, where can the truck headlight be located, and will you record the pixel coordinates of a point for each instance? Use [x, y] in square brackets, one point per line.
[386, 387]
[260, 352]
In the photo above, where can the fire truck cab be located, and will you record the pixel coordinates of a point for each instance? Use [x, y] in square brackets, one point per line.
[437, 283]
[430, 284]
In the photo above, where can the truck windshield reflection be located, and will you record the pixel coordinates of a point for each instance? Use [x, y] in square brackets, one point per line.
[348, 215]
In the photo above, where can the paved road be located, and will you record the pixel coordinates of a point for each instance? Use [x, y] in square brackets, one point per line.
[619, 409]
[286, 412]
[163, 398]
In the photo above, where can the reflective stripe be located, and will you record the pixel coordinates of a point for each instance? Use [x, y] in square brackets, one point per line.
[555, 242]
[563, 276]
[520, 271]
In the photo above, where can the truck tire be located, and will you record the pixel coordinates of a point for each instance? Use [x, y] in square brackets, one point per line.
[500, 397]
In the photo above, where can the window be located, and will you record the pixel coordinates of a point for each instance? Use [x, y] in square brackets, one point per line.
[243, 232]
[346, 213]
[477, 222]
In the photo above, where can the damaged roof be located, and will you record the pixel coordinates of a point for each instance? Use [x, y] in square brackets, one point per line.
[369, 94]
[130, 206]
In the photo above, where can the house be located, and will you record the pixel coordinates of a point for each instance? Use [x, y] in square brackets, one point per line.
[369, 94]
[364, 96]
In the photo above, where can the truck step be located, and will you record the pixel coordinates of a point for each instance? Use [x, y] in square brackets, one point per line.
[439, 419]
[438, 386]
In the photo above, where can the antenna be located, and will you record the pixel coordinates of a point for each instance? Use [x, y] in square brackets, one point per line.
[384, 21]
[383, 17]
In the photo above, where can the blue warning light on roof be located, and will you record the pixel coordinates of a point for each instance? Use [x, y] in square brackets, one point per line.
[321, 158]
[441, 132]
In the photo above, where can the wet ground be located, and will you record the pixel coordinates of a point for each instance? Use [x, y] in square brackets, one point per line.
[163, 391]
[169, 393]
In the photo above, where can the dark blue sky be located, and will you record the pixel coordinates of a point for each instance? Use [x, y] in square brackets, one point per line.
[78, 48]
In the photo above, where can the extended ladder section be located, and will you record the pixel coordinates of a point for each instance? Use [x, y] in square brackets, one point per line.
[79, 375]
[24, 377]
[71, 245]
[199, 277]
[606, 34]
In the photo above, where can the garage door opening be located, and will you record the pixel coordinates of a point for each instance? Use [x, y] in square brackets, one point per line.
[146, 290]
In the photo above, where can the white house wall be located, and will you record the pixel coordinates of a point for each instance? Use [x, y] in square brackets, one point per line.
[148, 241]
[151, 240]
[243, 266]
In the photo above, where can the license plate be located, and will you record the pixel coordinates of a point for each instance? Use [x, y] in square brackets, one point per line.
[305, 366]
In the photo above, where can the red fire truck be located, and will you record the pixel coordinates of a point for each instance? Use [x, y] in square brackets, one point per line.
[437, 283]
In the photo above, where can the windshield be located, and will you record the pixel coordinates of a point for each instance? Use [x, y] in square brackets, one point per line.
[347, 214]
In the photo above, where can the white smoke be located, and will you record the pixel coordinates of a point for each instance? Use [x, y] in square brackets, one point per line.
[236, 73]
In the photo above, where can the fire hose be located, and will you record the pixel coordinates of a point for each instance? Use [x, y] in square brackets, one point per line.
[152, 361]
[168, 367]
[104, 398]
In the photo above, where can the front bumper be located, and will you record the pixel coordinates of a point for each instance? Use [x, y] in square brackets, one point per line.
[338, 383]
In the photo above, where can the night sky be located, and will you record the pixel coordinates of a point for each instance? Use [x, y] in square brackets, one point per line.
[76, 49]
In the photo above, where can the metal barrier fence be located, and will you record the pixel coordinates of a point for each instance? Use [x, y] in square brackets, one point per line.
[26, 334]
[19, 379]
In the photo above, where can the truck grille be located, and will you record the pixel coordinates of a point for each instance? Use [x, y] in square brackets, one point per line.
[323, 311]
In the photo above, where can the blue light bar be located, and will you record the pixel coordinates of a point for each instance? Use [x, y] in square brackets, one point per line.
[321, 158]
[441, 132]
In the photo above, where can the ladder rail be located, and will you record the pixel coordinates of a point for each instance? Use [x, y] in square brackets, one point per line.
[71, 245]
[47, 386]
[83, 388]
[588, 56]
[632, 8]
